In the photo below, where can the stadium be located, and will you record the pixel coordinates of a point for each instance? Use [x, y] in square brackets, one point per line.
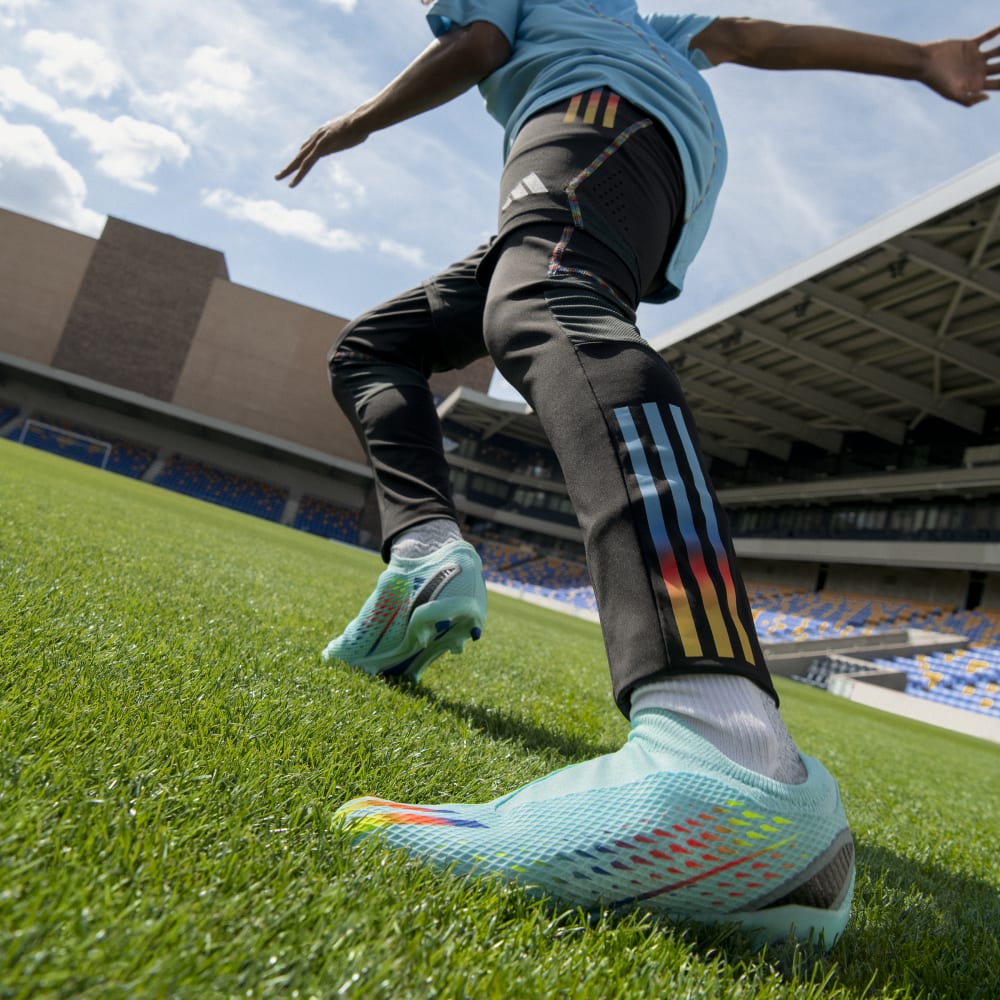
[187, 517]
[850, 410]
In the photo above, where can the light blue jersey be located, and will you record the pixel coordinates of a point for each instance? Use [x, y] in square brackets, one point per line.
[565, 47]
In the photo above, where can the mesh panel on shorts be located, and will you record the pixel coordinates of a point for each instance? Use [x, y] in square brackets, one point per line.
[587, 314]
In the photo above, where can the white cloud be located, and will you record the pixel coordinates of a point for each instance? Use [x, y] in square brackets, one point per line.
[17, 92]
[408, 254]
[347, 191]
[295, 223]
[347, 6]
[77, 66]
[214, 82]
[37, 181]
[127, 149]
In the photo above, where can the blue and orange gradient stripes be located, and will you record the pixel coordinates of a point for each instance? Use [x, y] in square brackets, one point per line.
[706, 501]
[592, 108]
[398, 814]
[663, 478]
[679, 603]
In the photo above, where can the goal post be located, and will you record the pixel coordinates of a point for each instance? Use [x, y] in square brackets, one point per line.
[66, 441]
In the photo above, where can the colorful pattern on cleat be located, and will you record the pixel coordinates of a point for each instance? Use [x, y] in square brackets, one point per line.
[420, 609]
[667, 824]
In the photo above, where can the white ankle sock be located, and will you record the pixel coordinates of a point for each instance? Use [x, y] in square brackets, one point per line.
[425, 538]
[734, 715]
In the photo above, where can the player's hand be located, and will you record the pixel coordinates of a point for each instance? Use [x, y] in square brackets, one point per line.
[964, 70]
[333, 137]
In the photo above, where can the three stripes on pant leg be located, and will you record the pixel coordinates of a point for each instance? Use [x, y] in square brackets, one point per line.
[682, 517]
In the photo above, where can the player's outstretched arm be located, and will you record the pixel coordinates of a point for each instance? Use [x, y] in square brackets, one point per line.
[961, 70]
[448, 67]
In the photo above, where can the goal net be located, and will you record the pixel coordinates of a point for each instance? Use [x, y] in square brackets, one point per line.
[69, 444]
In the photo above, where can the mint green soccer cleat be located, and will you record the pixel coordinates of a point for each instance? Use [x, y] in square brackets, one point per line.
[667, 824]
[420, 609]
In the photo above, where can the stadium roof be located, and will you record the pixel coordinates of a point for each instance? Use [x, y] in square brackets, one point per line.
[896, 323]
[488, 416]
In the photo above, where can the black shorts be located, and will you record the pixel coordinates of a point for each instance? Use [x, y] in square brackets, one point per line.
[578, 164]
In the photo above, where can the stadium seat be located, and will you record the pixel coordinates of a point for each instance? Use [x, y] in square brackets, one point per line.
[325, 518]
[228, 489]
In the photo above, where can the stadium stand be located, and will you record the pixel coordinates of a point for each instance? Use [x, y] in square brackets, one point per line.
[322, 517]
[498, 557]
[967, 678]
[785, 615]
[8, 411]
[549, 574]
[126, 458]
[523, 568]
[818, 673]
[242, 493]
[554, 579]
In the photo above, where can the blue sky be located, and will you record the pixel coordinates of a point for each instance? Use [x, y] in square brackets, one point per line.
[176, 115]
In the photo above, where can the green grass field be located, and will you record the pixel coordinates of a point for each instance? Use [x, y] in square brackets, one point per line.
[172, 751]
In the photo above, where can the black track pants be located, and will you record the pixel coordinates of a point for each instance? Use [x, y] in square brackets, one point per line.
[588, 209]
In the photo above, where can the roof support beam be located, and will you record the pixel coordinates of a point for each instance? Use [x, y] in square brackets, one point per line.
[792, 426]
[983, 363]
[883, 427]
[954, 411]
[729, 435]
[979, 279]
[726, 450]
[497, 426]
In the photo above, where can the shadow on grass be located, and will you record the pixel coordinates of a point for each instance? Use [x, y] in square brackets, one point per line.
[500, 725]
[917, 929]
[924, 927]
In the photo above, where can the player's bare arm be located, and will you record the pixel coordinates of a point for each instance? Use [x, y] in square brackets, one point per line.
[960, 70]
[448, 67]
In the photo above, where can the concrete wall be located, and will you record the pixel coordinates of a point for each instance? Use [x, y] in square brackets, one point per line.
[948, 588]
[137, 310]
[41, 270]
[945, 587]
[957, 720]
[991, 595]
[798, 575]
[260, 362]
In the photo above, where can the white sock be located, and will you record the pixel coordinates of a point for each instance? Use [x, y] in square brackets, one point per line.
[425, 538]
[734, 715]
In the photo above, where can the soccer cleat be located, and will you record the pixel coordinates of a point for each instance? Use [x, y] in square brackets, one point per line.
[420, 609]
[667, 824]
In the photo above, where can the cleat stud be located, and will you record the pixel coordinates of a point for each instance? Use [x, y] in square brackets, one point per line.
[476, 634]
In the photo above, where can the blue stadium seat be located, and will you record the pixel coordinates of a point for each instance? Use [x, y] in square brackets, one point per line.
[228, 489]
[325, 518]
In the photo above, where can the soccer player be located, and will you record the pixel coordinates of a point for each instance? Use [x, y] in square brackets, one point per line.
[614, 156]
